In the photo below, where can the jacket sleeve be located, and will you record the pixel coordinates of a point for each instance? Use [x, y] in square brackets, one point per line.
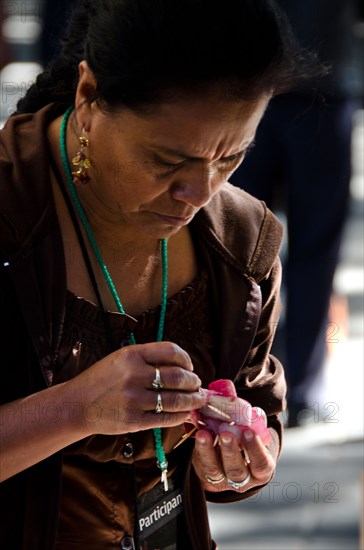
[261, 379]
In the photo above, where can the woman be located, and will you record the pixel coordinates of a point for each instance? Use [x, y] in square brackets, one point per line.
[133, 275]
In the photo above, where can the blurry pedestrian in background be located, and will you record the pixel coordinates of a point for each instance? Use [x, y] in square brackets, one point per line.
[302, 157]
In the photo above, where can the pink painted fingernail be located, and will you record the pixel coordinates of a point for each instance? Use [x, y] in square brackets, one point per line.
[248, 435]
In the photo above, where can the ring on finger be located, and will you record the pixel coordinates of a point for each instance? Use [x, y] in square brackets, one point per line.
[157, 382]
[159, 406]
[215, 480]
[239, 484]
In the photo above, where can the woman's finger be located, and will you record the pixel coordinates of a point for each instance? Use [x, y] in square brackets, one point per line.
[262, 464]
[207, 462]
[171, 401]
[158, 353]
[172, 378]
[235, 466]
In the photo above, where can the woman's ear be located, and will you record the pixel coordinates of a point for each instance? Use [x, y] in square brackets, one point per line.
[85, 94]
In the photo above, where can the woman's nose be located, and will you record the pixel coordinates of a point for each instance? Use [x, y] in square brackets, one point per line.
[197, 185]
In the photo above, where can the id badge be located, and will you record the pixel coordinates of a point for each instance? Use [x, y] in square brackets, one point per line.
[161, 520]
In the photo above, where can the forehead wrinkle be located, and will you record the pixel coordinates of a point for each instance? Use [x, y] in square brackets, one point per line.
[187, 156]
[171, 133]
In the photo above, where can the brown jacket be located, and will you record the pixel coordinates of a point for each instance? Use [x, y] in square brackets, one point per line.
[239, 239]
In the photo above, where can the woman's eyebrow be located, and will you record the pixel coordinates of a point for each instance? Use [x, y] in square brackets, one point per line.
[183, 155]
[176, 153]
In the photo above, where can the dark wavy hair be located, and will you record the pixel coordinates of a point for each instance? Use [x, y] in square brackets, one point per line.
[143, 51]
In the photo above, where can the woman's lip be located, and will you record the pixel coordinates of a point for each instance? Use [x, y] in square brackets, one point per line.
[173, 220]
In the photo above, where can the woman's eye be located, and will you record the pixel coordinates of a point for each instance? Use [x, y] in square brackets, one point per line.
[168, 164]
[227, 162]
[231, 161]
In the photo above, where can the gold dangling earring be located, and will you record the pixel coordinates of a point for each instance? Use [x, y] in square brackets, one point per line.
[83, 163]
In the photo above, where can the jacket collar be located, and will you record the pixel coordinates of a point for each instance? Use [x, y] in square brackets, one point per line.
[241, 230]
[24, 169]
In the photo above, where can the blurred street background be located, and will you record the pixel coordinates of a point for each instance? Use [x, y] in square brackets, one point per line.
[316, 498]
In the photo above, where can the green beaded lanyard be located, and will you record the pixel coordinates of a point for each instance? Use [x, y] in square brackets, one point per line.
[161, 457]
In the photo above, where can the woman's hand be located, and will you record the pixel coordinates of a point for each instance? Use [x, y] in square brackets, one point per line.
[226, 463]
[116, 394]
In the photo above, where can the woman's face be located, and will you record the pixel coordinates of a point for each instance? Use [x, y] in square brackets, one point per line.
[153, 172]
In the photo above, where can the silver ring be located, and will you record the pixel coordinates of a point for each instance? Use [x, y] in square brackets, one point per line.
[159, 407]
[239, 484]
[215, 480]
[157, 382]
